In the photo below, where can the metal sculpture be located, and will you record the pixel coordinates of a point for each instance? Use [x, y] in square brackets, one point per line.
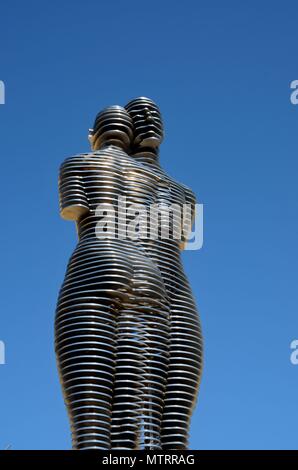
[128, 340]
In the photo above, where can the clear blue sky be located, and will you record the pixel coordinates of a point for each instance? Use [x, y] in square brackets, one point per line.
[221, 73]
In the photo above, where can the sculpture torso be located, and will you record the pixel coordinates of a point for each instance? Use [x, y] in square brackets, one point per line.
[109, 173]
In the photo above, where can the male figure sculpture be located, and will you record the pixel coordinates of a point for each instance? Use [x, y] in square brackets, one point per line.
[128, 340]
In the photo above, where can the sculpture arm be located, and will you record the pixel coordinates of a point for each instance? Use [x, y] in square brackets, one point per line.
[72, 195]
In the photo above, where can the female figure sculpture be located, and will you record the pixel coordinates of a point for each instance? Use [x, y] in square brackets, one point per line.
[127, 335]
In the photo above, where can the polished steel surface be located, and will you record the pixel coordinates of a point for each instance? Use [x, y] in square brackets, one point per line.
[128, 339]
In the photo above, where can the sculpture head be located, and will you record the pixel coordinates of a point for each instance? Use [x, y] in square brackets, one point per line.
[147, 121]
[112, 126]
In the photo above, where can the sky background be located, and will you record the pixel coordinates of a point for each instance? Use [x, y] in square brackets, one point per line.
[221, 73]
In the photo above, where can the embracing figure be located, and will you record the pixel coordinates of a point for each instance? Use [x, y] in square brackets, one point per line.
[127, 333]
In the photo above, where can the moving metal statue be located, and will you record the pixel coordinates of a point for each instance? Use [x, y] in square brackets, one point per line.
[128, 339]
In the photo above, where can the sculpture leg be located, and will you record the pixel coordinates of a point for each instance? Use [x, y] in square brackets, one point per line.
[156, 357]
[141, 360]
[128, 378]
[184, 371]
[85, 331]
[97, 280]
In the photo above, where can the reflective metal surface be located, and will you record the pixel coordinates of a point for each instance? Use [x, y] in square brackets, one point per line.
[128, 340]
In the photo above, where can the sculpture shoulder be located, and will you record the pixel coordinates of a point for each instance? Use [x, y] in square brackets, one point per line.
[73, 163]
[84, 159]
[81, 164]
[114, 159]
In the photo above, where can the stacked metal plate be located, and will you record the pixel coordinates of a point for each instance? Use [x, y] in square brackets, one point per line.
[128, 338]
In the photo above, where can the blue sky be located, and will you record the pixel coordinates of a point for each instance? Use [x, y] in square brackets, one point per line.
[221, 73]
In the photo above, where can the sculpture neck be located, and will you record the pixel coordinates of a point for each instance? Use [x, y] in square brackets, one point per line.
[147, 155]
[114, 144]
